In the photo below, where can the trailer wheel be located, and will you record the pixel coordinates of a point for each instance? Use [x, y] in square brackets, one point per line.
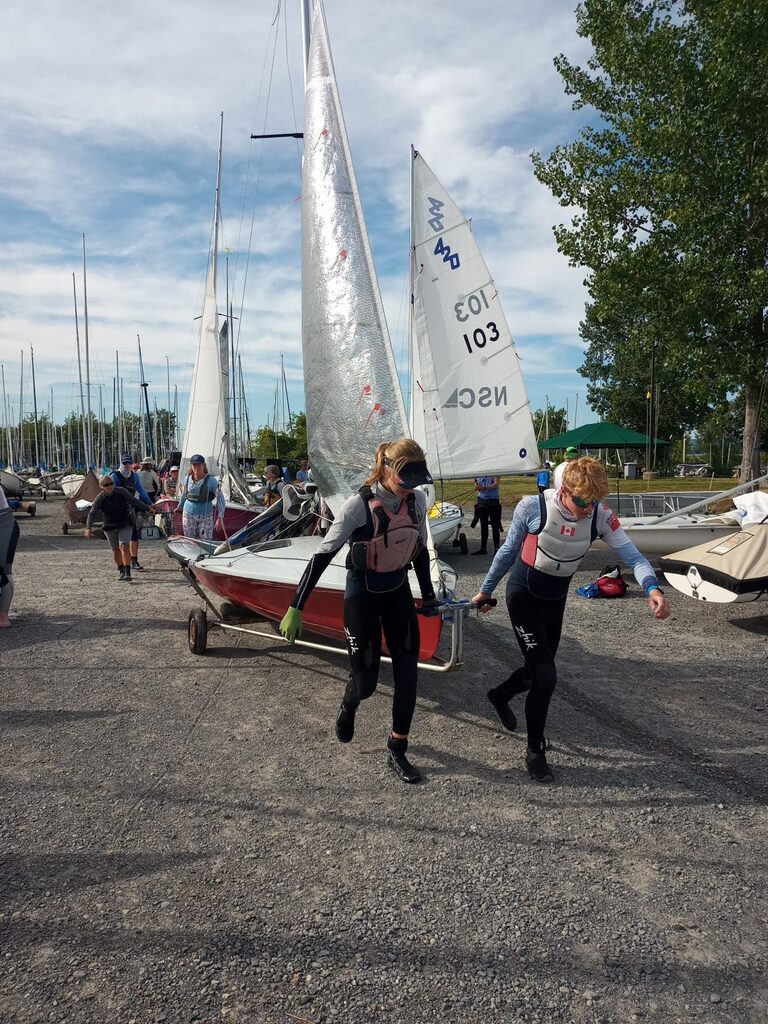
[197, 631]
[65, 528]
[31, 512]
[463, 546]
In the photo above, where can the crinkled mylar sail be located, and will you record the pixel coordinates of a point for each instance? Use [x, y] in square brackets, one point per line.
[469, 408]
[351, 387]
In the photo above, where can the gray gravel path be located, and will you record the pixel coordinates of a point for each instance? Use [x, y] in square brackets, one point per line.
[183, 839]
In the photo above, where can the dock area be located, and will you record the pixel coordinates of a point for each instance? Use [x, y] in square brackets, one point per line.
[183, 839]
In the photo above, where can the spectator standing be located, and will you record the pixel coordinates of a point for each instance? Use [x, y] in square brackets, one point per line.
[171, 483]
[302, 474]
[127, 478]
[488, 511]
[570, 454]
[150, 481]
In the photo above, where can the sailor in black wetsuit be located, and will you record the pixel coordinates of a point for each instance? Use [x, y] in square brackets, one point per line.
[386, 527]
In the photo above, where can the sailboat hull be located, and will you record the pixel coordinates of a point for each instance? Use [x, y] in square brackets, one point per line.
[264, 581]
[653, 538]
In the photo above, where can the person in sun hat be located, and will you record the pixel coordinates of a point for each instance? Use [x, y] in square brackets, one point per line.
[150, 481]
[549, 535]
[171, 482]
[385, 524]
[570, 454]
[127, 478]
[200, 499]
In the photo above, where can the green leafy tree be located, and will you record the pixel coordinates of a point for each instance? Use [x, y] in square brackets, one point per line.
[555, 418]
[670, 188]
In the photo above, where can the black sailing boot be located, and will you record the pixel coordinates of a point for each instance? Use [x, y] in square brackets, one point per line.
[503, 710]
[345, 721]
[536, 762]
[399, 763]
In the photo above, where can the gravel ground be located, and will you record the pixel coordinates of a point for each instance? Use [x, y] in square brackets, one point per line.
[183, 839]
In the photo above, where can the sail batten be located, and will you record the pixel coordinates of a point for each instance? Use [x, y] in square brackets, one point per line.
[471, 420]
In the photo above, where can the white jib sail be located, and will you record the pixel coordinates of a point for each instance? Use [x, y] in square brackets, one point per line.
[352, 391]
[469, 408]
[206, 432]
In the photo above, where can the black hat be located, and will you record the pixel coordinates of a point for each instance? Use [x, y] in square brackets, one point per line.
[412, 474]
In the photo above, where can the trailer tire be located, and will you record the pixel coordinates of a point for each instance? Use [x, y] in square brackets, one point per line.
[463, 546]
[65, 528]
[197, 631]
[32, 512]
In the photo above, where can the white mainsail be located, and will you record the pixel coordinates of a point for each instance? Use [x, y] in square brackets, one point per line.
[352, 391]
[206, 431]
[469, 408]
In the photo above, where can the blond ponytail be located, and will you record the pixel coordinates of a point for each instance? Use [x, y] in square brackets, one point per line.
[395, 454]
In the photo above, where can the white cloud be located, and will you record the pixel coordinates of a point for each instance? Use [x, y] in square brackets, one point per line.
[109, 126]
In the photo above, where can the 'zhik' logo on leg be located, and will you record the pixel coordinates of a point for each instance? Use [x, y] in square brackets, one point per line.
[351, 642]
[527, 638]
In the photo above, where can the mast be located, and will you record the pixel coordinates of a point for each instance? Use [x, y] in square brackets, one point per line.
[8, 437]
[34, 403]
[143, 384]
[21, 412]
[306, 32]
[89, 432]
[168, 381]
[79, 366]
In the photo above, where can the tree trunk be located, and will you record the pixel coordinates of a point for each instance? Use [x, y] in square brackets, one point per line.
[750, 459]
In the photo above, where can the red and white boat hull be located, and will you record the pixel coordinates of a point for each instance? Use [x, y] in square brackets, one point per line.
[265, 580]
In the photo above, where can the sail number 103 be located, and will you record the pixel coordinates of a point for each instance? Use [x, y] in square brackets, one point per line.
[479, 338]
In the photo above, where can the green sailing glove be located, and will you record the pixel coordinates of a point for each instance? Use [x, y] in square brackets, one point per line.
[290, 624]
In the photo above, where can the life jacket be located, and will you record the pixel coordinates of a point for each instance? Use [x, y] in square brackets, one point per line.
[271, 495]
[200, 492]
[389, 540]
[127, 482]
[559, 545]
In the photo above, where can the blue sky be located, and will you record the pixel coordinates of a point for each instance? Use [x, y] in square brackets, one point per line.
[109, 127]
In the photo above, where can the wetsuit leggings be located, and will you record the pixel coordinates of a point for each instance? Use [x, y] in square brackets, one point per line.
[537, 624]
[366, 616]
[9, 538]
[489, 511]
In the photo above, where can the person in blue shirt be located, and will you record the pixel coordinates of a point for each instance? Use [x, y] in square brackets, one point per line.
[200, 499]
[127, 478]
[302, 474]
[549, 535]
[488, 510]
[544, 478]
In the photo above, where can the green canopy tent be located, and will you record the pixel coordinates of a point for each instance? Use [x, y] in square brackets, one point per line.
[599, 435]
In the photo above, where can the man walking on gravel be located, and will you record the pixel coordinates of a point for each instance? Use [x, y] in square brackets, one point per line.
[549, 535]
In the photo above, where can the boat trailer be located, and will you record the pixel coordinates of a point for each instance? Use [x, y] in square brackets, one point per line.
[454, 612]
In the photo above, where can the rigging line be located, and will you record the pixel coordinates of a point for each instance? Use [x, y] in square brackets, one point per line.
[290, 89]
[255, 200]
[250, 147]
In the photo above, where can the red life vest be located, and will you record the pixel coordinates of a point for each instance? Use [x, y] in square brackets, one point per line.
[391, 539]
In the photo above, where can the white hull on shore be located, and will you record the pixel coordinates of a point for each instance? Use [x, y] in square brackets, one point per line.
[69, 484]
[654, 538]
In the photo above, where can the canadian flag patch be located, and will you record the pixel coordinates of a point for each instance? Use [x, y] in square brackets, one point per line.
[568, 531]
[613, 522]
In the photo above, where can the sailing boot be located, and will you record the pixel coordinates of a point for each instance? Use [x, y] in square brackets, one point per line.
[121, 572]
[345, 722]
[536, 762]
[399, 763]
[126, 577]
[503, 710]
[135, 565]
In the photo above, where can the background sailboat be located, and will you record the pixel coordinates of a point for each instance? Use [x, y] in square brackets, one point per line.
[469, 408]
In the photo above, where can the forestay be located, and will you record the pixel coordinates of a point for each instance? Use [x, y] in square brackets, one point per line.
[469, 408]
[352, 392]
[205, 433]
